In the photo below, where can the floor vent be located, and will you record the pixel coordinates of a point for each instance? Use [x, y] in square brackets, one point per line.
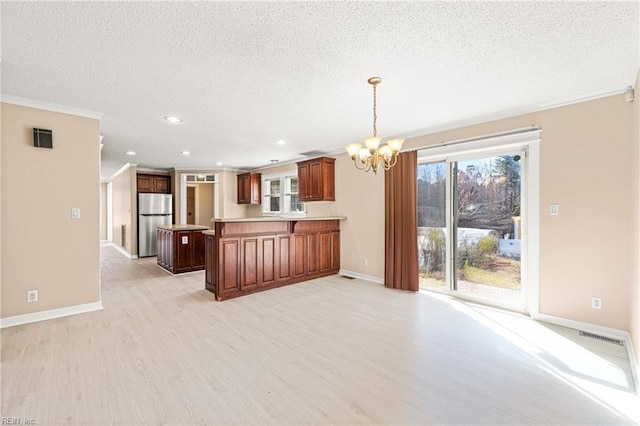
[603, 338]
[346, 277]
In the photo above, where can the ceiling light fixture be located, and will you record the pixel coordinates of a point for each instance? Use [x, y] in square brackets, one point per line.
[219, 163]
[172, 119]
[373, 155]
[281, 142]
[185, 152]
[130, 153]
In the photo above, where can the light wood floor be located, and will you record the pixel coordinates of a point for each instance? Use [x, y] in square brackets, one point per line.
[328, 351]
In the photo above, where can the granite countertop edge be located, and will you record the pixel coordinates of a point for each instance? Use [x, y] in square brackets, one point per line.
[278, 219]
[183, 227]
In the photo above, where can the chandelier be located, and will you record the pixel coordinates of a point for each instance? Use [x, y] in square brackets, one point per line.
[372, 155]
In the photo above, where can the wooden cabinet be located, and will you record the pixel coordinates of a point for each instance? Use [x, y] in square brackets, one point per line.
[316, 180]
[154, 183]
[246, 257]
[249, 188]
[181, 248]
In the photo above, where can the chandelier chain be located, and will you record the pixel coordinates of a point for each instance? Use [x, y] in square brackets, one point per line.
[375, 116]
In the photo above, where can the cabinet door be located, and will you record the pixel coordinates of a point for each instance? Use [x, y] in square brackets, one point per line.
[267, 261]
[312, 254]
[303, 181]
[324, 251]
[299, 255]
[249, 263]
[228, 275]
[284, 257]
[314, 192]
[161, 184]
[244, 188]
[145, 183]
[198, 250]
[255, 184]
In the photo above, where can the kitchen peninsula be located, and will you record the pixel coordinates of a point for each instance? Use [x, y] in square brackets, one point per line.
[249, 255]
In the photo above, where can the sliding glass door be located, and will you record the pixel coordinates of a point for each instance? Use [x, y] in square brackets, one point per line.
[470, 226]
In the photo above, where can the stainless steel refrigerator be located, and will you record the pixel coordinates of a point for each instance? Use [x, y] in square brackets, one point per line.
[153, 210]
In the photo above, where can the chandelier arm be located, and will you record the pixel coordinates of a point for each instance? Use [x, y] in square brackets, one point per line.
[394, 160]
[357, 160]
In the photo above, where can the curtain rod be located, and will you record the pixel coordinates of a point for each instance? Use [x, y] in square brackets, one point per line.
[488, 136]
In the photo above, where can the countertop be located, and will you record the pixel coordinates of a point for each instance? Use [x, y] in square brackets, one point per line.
[183, 227]
[278, 219]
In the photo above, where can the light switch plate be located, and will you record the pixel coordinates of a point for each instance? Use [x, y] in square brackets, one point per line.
[554, 209]
[75, 213]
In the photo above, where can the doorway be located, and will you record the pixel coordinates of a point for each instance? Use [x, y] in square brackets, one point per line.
[473, 210]
[198, 199]
[191, 205]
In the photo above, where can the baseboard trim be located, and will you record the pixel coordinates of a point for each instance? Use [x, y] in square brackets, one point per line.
[358, 275]
[121, 250]
[50, 314]
[602, 331]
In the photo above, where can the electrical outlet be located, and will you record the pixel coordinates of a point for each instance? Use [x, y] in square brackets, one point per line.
[365, 262]
[32, 296]
[554, 209]
[596, 303]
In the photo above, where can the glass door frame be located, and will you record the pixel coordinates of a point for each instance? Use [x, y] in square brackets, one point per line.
[528, 145]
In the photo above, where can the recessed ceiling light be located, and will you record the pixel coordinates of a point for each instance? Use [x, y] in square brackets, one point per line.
[219, 163]
[172, 119]
[130, 153]
[185, 152]
[281, 142]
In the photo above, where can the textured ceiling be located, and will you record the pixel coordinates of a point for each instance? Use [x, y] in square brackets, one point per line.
[242, 75]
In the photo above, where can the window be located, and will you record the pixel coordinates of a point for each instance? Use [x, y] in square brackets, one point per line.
[280, 195]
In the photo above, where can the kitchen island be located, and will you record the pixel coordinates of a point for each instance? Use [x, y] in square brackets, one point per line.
[244, 256]
[181, 248]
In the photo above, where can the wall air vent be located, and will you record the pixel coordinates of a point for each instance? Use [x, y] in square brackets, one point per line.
[346, 277]
[603, 338]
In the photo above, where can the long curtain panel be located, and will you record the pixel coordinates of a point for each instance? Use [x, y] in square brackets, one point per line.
[401, 223]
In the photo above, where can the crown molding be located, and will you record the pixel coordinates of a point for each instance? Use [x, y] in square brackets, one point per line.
[49, 106]
[119, 172]
[515, 112]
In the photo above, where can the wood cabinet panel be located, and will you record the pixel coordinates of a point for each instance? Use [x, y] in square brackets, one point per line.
[316, 179]
[229, 264]
[154, 183]
[198, 252]
[267, 263]
[335, 250]
[145, 183]
[284, 256]
[299, 255]
[324, 251]
[249, 263]
[260, 259]
[312, 254]
[162, 185]
[183, 247]
[209, 263]
[249, 188]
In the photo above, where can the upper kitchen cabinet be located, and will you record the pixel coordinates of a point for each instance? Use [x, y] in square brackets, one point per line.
[249, 188]
[154, 183]
[316, 179]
